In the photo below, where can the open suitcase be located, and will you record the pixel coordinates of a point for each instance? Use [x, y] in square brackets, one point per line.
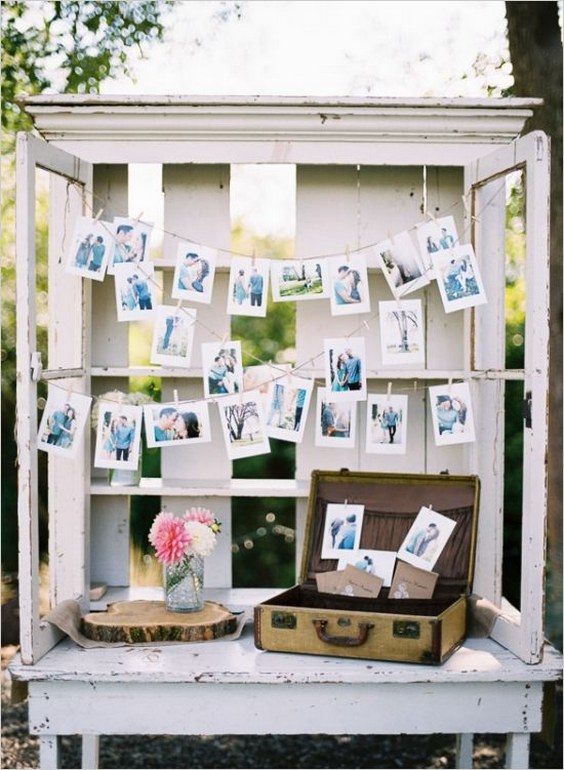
[304, 620]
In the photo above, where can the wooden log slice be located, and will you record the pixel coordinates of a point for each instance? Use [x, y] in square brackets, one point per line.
[148, 621]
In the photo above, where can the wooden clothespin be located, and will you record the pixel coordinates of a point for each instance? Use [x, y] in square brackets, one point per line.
[98, 215]
[389, 393]
[175, 396]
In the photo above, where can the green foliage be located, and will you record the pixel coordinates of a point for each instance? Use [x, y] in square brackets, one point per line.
[515, 252]
[69, 46]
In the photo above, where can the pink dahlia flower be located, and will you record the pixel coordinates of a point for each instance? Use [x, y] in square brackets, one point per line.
[200, 514]
[170, 538]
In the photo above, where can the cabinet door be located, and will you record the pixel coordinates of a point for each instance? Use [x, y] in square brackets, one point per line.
[70, 546]
[485, 185]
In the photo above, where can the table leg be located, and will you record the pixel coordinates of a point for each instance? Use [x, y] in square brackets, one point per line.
[517, 751]
[464, 748]
[49, 751]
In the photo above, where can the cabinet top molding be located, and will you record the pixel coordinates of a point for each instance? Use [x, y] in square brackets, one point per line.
[212, 129]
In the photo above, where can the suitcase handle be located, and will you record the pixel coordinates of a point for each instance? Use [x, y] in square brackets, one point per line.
[342, 641]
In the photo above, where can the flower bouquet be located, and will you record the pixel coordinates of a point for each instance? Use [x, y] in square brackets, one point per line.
[181, 543]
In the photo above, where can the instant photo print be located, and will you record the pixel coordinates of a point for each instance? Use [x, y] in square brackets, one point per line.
[242, 423]
[335, 425]
[63, 421]
[177, 423]
[118, 435]
[135, 289]
[131, 242]
[248, 286]
[345, 368]
[194, 272]
[452, 413]
[348, 281]
[386, 424]
[297, 280]
[402, 332]
[90, 248]
[173, 335]
[426, 538]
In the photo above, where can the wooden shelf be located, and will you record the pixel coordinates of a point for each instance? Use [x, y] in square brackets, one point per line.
[206, 488]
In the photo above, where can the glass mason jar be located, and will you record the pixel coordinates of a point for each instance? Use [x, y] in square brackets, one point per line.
[184, 584]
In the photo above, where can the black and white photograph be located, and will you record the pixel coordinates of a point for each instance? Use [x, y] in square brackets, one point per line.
[286, 407]
[341, 530]
[135, 291]
[118, 435]
[223, 371]
[345, 368]
[348, 278]
[335, 424]
[131, 242]
[90, 248]
[435, 235]
[426, 538]
[386, 424]
[298, 279]
[248, 286]
[402, 332]
[173, 335]
[177, 423]
[451, 413]
[194, 272]
[458, 278]
[401, 264]
[242, 422]
[379, 563]
[63, 421]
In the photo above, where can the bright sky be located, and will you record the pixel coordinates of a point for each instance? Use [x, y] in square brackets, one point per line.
[322, 47]
[315, 48]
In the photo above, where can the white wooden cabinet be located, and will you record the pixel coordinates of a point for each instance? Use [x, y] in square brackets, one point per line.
[360, 165]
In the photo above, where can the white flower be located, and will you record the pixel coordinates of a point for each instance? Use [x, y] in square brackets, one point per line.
[203, 538]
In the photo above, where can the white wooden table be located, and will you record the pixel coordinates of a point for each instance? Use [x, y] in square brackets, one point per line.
[231, 687]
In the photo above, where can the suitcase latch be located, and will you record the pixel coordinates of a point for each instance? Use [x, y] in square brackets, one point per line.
[283, 620]
[406, 629]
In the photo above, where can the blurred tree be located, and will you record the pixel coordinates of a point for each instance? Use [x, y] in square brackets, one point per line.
[70, 46]
[67, 46]
[535, 45]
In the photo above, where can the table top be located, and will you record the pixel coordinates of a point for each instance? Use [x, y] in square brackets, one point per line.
[239, 661]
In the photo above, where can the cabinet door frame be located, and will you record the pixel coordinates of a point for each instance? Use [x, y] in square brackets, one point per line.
[36, 637]
[519, 631]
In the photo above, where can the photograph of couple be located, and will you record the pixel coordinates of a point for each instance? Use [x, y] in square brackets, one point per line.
[336, 423]
[90, 248]
[248, 282]
[194, 272]
[349, 282]
[452, 415]
[135, 286]
[223, 372]
[130, 242]
[63, 421]
[345, 369]
[118, 436]
[177, 423]
[342, 529]
[458, 278]
[386, 424]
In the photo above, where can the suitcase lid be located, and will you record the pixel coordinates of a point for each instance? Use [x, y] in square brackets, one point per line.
[392, 502]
